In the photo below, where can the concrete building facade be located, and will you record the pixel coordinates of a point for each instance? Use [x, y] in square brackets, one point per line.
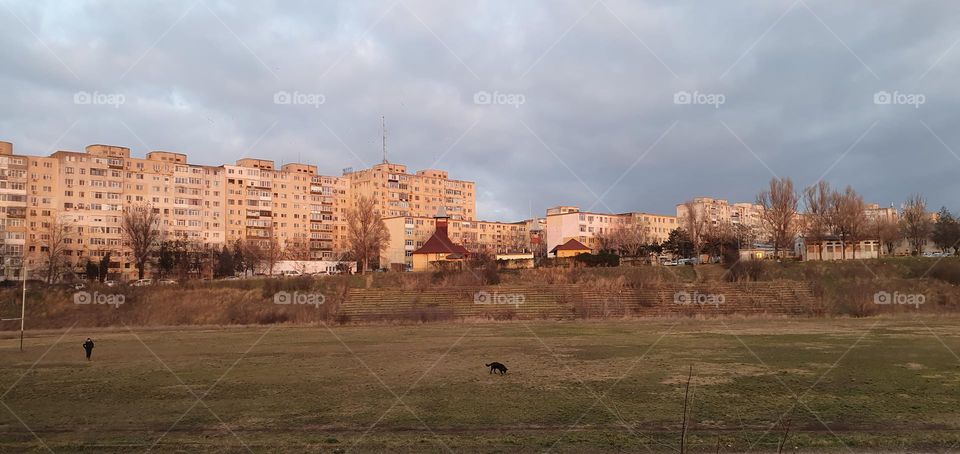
[409, 233]
[567, 222]
[77, 199]
[422, 194]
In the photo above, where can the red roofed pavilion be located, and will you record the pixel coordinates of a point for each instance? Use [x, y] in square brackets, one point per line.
[439, 247]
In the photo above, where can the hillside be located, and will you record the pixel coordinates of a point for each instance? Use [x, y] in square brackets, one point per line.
[765, 289]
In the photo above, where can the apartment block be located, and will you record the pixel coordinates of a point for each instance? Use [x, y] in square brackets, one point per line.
[78, 199]
[409, 233]
[293, 206]
[422, 194]
[13, 210]
[567, 222]
[719, 211]
[74, 201]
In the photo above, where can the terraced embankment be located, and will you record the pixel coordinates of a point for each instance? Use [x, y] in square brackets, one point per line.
[578, 301]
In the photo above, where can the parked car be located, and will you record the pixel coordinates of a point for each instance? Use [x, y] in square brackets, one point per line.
[290, 273]
[167, 282]
[142, 282]
[110, 283]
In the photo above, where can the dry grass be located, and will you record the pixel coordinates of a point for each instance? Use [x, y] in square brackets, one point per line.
[840, 289]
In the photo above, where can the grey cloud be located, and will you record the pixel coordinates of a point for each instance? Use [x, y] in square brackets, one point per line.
[597, 98]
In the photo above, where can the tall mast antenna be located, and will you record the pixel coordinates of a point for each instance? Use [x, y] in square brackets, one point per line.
[383, 130]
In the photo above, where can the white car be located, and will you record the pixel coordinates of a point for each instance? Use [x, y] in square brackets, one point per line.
[142, 283]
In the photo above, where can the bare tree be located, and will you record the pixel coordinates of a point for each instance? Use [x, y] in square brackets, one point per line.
[538, 245]
[778, 213]
[915, 224]
[720, 239]
[695, 225]
[816, 226]
[632, 238]
[253, 256]
[298, 249]
[270, 249]
[887, 232]
[367, 234]
[848, 219]
[517, 241]
[141, 231]
[605, 241]
[53, 246]
[857, 223]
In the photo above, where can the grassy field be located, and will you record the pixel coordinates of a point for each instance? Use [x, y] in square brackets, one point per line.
[866, 385]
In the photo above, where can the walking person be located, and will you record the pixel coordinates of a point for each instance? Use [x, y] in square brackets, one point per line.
[88, 347]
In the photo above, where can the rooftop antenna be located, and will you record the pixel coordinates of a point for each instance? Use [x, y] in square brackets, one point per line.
[383, 135]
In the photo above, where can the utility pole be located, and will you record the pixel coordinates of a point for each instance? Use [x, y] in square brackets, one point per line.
[23, 306]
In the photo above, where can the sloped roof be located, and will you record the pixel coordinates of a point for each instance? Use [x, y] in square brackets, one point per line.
[440, 243]
[571, 245]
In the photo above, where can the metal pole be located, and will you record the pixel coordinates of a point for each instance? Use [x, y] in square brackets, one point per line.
[23, 306]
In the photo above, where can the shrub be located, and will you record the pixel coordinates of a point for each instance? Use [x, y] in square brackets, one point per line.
[602, 259]
[946, 270]
[750, 270]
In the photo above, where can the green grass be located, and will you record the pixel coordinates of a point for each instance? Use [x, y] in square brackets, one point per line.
[883, 384]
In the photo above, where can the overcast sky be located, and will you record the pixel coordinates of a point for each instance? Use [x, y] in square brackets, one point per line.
[541, 103]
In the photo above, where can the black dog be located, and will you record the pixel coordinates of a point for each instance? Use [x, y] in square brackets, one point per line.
[495, 366]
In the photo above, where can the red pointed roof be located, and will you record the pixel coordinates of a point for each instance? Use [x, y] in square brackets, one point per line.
[570, 245]
[440, 243]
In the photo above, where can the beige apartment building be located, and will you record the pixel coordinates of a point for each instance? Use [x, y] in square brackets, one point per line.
[567, 222]
[719, 211]
[409, 233]
[423, 194]
[13, 210]
[83, 196]
[293, 207]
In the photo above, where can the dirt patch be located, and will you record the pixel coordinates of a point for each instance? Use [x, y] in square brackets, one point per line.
[716, 374]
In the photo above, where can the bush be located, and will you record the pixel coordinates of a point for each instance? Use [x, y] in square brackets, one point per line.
[946, 270]
[747, 271]
[601, 259]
